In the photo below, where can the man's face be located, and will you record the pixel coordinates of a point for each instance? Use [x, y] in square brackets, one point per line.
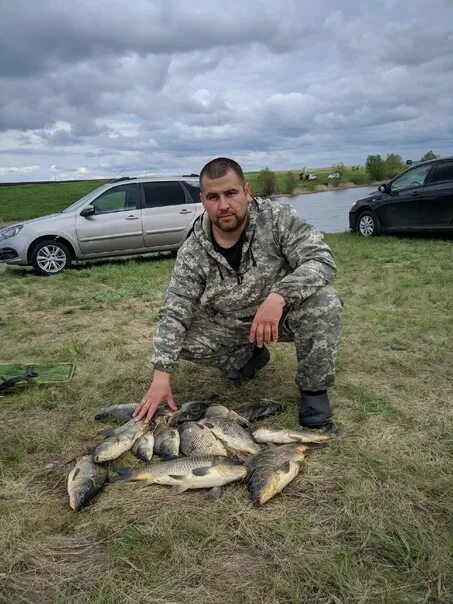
[225, 199]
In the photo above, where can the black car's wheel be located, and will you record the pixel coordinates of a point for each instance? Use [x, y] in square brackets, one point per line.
[50, 257]
[367, 224]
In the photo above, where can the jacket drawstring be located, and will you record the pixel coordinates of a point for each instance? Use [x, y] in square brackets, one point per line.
[219, 269]
[252, 257]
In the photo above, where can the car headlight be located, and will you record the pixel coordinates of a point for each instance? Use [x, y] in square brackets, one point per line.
[10, 231]
[353, 206]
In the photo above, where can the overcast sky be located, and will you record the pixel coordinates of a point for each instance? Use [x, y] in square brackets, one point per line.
[95, 88]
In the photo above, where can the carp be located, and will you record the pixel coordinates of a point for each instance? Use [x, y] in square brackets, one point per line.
[271, 470]
[189, 412]
[235, 438]
[196, 439]
[119, 441]
[261, 410]
[166, 438]
[143, 447]
[200, 472]
[224, 412]
[282, 436]
[84, 481]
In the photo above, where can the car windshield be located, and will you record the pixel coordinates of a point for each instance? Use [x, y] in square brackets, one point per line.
[80, 202]
[411, 179]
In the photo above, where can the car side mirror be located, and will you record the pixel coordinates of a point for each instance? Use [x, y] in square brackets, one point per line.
[88, 211]
[383, 188]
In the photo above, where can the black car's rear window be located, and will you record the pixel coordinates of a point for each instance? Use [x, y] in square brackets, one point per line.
[442, 172]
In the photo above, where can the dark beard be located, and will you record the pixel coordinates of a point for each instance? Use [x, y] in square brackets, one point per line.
[228, 228]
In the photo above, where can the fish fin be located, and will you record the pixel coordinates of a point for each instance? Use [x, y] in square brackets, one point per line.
[176, 489]
[243, 422]
[202, 426]
[176, 476]
[76, 473]
[122, 474]
[214, 493]
[201, 471]
[208, 425]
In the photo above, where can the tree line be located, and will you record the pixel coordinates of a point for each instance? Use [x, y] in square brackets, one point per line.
[381, 169]
[376, 168]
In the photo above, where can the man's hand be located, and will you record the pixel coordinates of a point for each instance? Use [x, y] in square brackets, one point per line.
[158, 392]
[265, 324]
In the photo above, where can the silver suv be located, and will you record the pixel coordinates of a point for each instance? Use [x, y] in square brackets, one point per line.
[124, 217]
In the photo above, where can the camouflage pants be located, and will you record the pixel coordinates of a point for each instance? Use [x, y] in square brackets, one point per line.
[313, 325]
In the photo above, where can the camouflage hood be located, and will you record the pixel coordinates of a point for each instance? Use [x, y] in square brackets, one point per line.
[281, 253]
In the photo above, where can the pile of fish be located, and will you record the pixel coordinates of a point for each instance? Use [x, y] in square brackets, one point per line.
[200, 446]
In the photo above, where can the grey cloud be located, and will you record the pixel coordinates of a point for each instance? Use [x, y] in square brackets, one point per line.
[165, 85]
[71, 32]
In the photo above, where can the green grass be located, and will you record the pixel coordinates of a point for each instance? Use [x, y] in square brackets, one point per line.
[21, 202]
[367, 520]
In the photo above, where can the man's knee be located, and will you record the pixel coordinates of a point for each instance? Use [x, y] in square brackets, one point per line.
[320, 312]
[324, 303]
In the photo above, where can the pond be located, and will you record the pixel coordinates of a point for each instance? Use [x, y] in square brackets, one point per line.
[328, 211]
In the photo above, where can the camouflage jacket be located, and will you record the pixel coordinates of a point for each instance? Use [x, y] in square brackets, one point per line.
[281, 253]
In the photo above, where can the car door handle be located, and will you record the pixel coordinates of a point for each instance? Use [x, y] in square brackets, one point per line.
[132, 218]
[415, 193]
[185, 212]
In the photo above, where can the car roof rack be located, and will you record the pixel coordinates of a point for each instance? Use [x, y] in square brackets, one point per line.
[169, 176]
[120, 178]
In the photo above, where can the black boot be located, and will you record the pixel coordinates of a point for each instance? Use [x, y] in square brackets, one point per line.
[260, 358]
[314, 409]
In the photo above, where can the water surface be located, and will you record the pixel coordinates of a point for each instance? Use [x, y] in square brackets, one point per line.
[328, 211]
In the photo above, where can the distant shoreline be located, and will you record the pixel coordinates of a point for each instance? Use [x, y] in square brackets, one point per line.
[326, 189]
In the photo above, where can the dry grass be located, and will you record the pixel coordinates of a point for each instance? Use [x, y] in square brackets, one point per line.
[366, 521]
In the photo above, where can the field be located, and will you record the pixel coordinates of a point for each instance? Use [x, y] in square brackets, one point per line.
[21, 202]
[366, 521]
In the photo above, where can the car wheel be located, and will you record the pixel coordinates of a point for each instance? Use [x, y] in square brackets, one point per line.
[50, 257]
[367, 224]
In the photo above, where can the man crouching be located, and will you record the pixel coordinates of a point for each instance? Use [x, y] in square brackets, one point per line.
[251, 272]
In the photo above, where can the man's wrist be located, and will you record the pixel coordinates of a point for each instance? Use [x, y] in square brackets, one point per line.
[277, 298]
[161, 376]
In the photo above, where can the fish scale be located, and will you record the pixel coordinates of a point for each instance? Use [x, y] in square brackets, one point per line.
[233, 436]
[196, 439]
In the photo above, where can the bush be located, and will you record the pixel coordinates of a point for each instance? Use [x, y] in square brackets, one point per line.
[290, 182]
[375, 167]
[429, 155]
[267, 182]
[358, 178]
[393, 165]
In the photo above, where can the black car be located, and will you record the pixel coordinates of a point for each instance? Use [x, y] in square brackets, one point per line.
[418, 199]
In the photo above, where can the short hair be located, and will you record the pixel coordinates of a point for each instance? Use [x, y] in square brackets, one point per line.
[218, 167]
